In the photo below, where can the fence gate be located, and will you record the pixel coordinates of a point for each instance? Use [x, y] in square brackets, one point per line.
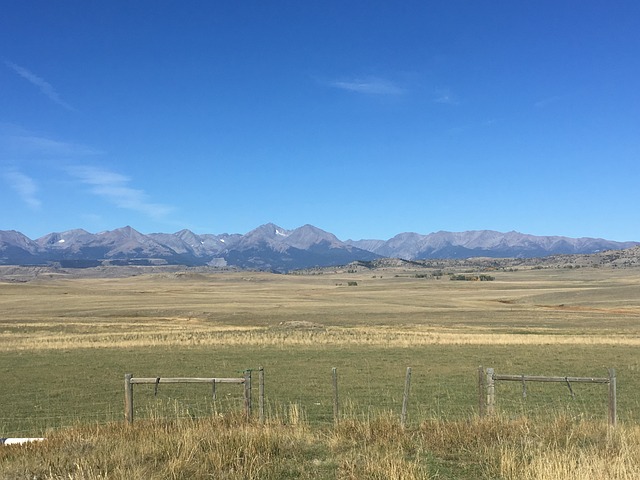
[130, 381]
[487, 392]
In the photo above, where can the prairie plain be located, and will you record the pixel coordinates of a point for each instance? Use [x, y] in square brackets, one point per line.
[66, 343]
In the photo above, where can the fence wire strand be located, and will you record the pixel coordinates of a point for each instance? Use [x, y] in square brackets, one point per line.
[35, 410]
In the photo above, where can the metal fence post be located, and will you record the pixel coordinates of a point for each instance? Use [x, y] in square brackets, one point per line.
[405, 397]
[336, 410]
[261, 393]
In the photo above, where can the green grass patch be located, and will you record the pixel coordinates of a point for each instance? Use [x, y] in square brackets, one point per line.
[49, 389]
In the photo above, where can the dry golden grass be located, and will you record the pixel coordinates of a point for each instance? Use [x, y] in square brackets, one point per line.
[375, 448]
[585, 451]
[556, 319]
[553, 450]
[332, 336]
[586, 306]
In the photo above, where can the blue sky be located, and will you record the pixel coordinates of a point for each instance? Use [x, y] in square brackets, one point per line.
[363, 118]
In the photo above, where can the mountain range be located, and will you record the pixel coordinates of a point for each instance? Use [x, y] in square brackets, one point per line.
[270, 247]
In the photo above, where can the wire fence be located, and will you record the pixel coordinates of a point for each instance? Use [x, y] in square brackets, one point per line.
[542, 400]
[35, 409]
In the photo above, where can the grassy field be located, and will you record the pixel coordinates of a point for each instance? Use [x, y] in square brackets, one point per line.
[66, 343]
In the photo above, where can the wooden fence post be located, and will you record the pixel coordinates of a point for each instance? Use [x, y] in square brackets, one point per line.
[261, 393]
[482, 393]
[405, 397]
[491, 392]
[612, 398]
[128, 398]
[247, 393]
[336, 410]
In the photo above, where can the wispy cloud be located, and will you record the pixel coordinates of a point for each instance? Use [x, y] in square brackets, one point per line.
[564, 98]
[115, 188]
[44, 86]
[445, 96]
[24, 186]
[368, 86]
[20, 145]
[28, 144]
[488, 123]
[545, 102]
